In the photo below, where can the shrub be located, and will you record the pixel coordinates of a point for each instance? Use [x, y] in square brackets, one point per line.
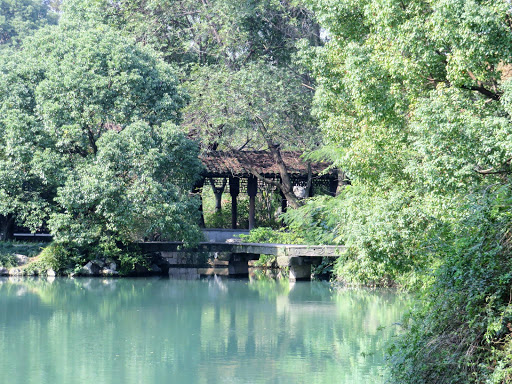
[269, 235]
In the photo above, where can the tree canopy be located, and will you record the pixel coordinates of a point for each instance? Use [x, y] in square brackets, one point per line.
[19, 18]
[225, 32]
[88, 122]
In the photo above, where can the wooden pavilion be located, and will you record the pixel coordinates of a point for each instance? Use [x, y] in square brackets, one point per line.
[233, 172]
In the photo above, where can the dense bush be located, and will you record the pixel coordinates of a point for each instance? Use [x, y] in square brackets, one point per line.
[462, 330]
[385, 234]
[57, 257]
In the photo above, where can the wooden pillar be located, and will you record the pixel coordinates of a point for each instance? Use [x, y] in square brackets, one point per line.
[252, 191]
[284, 202]
[234, 190]
[333, 186]
[196, 190]
[311, 190]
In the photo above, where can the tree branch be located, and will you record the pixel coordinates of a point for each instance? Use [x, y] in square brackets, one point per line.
[481, 88]
[92, 140]
[493, 171]
[220, 189]
[489, 94]
[259, 176]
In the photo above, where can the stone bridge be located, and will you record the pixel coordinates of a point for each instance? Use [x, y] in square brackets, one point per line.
[232, 259]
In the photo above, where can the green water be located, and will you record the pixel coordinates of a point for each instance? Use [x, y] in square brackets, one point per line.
[208, 331]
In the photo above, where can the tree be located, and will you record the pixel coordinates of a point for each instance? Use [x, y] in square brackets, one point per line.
[208, 31]
[77, 108]
[29, 170]
[414, 101]
[246, 87]
[134, 188]
[20, 17]
[258, 106]
[414, 113]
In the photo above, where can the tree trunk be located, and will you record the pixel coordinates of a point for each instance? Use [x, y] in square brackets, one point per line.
[6, 227]
[286, 182]
[286, 185]
[218, 191]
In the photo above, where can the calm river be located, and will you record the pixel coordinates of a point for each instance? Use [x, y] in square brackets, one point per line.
[207, 331]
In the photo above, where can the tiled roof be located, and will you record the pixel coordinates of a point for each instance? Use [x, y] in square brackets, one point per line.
[223, 164]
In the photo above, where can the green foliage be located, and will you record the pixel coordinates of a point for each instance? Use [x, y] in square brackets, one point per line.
[56, 256]
[324, 270]
[462, 332]
[132, 190]
[130, 260]
[18, 18]
[270, 235]
[413, 115]
[248, 106]
[385, 233]
[7, 260]
[266, 261]
[228, 32]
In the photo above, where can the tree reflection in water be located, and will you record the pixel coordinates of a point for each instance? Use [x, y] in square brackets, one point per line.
[206, 331]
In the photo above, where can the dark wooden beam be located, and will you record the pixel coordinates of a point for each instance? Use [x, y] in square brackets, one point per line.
[196, 190]
[234, 190]
[252, 191]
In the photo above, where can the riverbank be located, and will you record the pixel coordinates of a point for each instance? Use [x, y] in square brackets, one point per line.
[43, 259]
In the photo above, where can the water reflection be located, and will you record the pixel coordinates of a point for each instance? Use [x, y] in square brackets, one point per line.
[206, 331]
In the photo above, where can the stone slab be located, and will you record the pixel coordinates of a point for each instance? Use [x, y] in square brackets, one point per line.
[184, 273]
[247, 248]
